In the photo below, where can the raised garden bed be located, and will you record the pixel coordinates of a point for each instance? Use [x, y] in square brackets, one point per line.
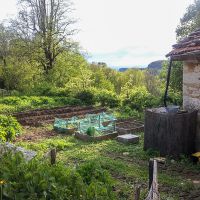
[128, 126]
[87, 138]
[67, 131]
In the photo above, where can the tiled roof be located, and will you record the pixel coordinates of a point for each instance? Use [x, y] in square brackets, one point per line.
[188, 46]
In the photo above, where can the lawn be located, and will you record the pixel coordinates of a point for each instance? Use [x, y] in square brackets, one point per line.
[128, 164]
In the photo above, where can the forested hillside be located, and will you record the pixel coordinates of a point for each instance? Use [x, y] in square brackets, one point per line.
[38, 57]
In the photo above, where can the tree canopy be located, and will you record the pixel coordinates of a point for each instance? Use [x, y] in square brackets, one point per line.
[190, 20]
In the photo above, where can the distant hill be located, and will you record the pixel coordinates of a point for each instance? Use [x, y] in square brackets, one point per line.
[122, 69]
[156, 65]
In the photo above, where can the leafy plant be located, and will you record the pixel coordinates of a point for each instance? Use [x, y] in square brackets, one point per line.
[91, 131]
[9, 128]
[38, 180]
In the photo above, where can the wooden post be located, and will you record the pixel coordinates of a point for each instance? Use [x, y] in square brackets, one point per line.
[53, 156]
[151, 163]
[153, 192]
[137, 192]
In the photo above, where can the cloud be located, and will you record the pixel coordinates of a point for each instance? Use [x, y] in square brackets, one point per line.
[129, 31]
[130, 57]
[123, 32]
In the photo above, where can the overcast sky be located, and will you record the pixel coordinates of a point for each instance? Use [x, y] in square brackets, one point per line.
[123, 32]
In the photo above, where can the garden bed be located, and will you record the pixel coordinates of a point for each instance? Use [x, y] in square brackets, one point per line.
[39, 117]
[88, 138]
[67, 131]
[127, 126]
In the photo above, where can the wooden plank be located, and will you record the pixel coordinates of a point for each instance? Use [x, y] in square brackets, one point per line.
[153, 192]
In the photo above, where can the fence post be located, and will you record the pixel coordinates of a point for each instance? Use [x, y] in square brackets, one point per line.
[151, 164]
[53, 156]
[137, 192]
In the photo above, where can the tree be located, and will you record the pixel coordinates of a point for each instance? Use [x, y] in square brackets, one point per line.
[152, 83]
[176, 77]
[5, 39]
[44, 27]
[190, 20]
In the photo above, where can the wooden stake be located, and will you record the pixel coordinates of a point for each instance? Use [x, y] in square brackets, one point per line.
[150, 172]
[137, 192]
[53, 156]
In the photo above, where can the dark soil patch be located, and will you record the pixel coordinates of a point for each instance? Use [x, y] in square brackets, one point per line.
[44, 116]
[126, 126]
[34, 135]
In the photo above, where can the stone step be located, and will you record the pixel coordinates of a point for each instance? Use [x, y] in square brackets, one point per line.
[128, 139]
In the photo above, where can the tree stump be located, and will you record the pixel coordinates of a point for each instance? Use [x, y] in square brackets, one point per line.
[170, 133]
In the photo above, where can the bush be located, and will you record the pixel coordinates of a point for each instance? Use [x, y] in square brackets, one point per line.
[38, 180]
[9, 128]
[68, 101]
[107, 98]
[139, 99]
[7, 108]
[38, 101]
[86, 97]
[126, 112]
[60, 92]
[98, 180]
[10, 100]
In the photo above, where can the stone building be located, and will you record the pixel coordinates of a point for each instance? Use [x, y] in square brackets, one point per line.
[188, 51]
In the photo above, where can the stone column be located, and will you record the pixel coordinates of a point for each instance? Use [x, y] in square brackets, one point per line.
[191, 92]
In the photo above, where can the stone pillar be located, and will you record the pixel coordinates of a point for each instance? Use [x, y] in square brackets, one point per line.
[191, 92]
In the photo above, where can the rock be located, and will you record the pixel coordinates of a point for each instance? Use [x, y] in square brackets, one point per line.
[125, 153]
[161, 160]
[173, 161]
[196, 182]
[128, 139]
[28, 154]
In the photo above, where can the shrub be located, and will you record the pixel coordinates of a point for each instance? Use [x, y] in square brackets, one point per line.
[61, 92]
[10, 100]
[38, 101]
[126, 112]
[139, 99]
[9, 128]
[68, 101]
[98, 180]
[38, 180]
[107, 98]
[7, 108]
[86, 97]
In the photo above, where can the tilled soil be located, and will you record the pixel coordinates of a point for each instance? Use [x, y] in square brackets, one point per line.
[39, 117]
[129, 126]
[35, 134]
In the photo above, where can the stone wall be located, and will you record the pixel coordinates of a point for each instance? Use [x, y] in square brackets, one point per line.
[191, 92]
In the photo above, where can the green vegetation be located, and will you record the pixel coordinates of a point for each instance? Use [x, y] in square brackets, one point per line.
[38, 180]
[9, 128]
[190, 20]
[127, 164]
[20, 103]
[42, 67]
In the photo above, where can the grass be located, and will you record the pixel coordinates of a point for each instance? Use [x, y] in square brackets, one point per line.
[128, 164]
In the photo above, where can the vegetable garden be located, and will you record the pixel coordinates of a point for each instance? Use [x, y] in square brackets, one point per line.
[90, 169]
